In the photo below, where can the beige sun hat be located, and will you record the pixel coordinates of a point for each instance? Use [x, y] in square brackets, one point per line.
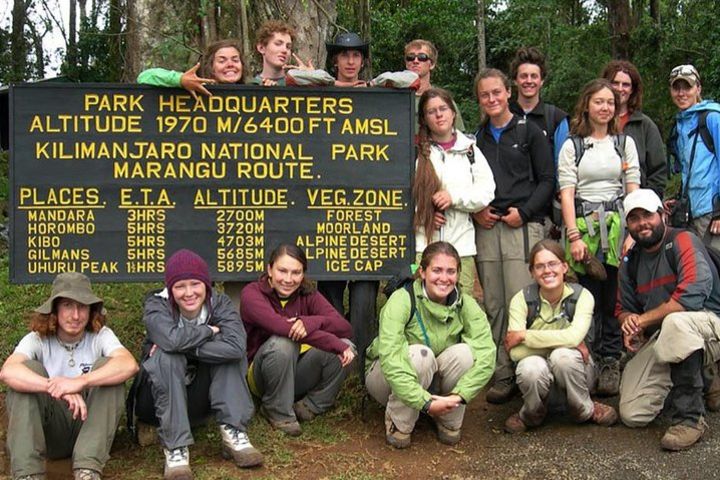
[72, 285]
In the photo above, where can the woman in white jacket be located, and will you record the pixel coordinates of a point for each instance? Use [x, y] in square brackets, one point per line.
[452, 180]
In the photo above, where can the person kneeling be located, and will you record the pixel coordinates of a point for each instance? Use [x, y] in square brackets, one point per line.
[434, 351]
[65, 382]
[548, 321]
[298, 345]
[195, 363]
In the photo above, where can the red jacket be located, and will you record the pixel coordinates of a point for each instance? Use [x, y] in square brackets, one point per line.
[263, 316]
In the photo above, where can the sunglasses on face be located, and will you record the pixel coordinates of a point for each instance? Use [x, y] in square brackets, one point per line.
[422, 57]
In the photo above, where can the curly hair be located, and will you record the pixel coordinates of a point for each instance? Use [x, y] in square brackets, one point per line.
[270, 28]
[580, 123]
[206, 64]
[46, 324]
[615, 66]
[426, 182]
[528, 55]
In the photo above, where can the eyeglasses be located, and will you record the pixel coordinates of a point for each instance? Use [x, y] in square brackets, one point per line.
[540, 267]
[422, 57]
[684, 71]
[433, 111]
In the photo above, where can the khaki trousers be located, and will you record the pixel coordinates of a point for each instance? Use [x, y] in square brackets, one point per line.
[438, 375]
[560, 382]
[503, 271]
[645, 382]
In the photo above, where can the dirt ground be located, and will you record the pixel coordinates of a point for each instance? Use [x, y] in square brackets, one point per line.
[558, 450]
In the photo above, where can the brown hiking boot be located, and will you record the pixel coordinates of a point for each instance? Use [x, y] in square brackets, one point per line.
[236, 446]
[303, 412]
[395, 437]
[595, 269]
[177, 464]
[502, 391]
[515, 424]
[288, 427]
[603, 415]
[446, 435]
[681, 436]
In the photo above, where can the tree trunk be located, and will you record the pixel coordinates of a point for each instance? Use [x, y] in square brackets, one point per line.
[71, 58]
[18, 43]
[618, 21]
[37, 38]
[115, 46]
[244, 29]
[133, 62]
[311, 19]
[480, 21]
[655, 11]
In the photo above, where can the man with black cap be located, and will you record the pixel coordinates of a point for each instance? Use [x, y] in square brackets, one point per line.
[195, 360]
[65, 382]
[668, 306]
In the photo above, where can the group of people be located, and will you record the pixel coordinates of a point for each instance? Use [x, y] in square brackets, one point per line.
[554, 322]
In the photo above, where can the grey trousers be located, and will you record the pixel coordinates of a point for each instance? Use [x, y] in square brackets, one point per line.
[503, 271]
[219, 388]
[283, 376]
[41, 427]
[562, 382]
[701, 225]
[438, 375]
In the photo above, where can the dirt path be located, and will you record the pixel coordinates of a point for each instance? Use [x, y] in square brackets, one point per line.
[558, 450]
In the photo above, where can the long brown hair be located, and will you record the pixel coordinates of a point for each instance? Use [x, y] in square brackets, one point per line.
[206, 65]
[613, 67]
[426, 182]
[46, 324]
[580, 123]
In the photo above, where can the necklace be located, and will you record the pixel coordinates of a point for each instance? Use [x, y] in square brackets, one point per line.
[70, 348]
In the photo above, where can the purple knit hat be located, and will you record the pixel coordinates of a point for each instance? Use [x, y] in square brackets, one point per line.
[183, 265]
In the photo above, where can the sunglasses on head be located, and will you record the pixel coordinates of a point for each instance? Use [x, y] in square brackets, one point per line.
[422, 57]
[684, 70]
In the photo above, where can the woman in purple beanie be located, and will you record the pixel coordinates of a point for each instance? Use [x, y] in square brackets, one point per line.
[194, 364]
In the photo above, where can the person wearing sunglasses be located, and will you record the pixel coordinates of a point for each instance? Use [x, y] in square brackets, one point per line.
[554, 371]
[421, 58]
[695, 143]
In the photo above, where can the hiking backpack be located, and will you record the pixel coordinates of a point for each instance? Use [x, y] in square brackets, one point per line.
[531, 293]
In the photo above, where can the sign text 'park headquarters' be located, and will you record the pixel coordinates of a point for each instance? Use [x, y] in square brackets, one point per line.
[111, 179]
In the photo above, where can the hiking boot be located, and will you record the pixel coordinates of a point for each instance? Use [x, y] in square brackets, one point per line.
[603, 415]
[608, 383]
[146, 434]
[515, 424]
[681, 436]
[502, 391]
[177, 464]
[86, 474]
[236, 445]
[303, 412]
[595, 269]
[447, 435]
[395, 437]
[288, 427]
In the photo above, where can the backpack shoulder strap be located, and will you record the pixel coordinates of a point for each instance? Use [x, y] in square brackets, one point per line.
[531, 294]
[705, 131]
[619, 141]
[409, 289]
[550, 123]
[579, 148]
[571, 302]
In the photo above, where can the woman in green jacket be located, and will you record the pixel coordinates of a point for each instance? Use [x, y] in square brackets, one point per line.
[433, 358]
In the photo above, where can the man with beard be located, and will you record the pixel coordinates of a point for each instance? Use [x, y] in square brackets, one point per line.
[668, 305]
